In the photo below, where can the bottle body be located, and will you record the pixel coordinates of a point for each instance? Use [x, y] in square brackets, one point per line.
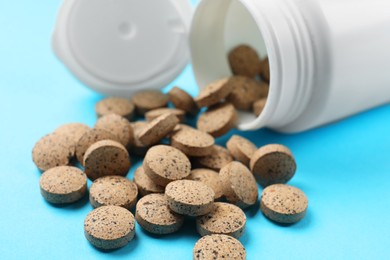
[328, 59]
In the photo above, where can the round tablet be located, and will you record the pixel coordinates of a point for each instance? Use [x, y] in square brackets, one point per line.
[157, 129]
[152, 114]
[218, 120]
[63, 184]
[182, 100]
[118, 126]
[224, 219]
[241, 148]
[145, 184]
[113, 190]
[258, 106]
[239, 185]
[53, 150]
[115, 105]
[218, 247]
[191, 198]
[73, 131]
[109, 227]
[138, 148]
[213, 93]
[192, 142]
[89, 138]
[244, 61]
[283, 203]
[154, 215]
[164, 164]
[145, 101]
[210, 178]
[105, 158]
[273, 164]
[219, 157]
[245, 92]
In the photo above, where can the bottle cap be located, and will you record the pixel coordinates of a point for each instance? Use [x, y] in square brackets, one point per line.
[123, 46]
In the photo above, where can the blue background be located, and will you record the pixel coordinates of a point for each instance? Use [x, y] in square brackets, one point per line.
[343, 168]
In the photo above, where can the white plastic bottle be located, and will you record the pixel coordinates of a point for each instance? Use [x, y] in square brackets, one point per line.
[328, 58]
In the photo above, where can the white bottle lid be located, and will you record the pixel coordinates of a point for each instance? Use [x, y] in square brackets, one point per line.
[122, 46]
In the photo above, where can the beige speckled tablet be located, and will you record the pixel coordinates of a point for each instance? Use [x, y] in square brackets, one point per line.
[218, 119]
[147, 100]
[157, 129]
[239, 185]
[152, 114]
[210, 178]
[216, 160]
[264, 72]
[191, 198]
[63, 184]
[241, 148]
[225, 218]
[215, 247]
[145, 184]
[182, 100]
[245, 92]
[214, 93]
[283, 203]
[109, 227]
[273, 164]
[138, 148]
[89, 138]
[115, 105]
[154, 215]
[73, 131]
[105, 158]
[244, 61]
[258, 106]
[164, 164]
[113, 190]
[192, 142]
[53, 150]
[118, 126]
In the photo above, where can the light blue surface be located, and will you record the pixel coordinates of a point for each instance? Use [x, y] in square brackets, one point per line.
[343, 168]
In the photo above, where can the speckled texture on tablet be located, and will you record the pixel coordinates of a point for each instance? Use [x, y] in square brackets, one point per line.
[241, 148]
[147, 100]
[118, 126]
[138, 148]
[218, 119]
[89, 138]
[115, 105]
[63, 184]
[113, 190]
[73, 131]
[219, 157]
[215, 247]
[244, 61]
[210, 178]
[182, 100]
[225, 218]
[239, 185]
[192, 142]
[283, 203]
[157, 129]
[191, 198]
[109, 227]
[245, 92]
[152, 114]
[105, 158]
[273, 164]
[145, 184]
[214, 93]
[53, 150]
[164, 164]
[258, 106]
[154, 215]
